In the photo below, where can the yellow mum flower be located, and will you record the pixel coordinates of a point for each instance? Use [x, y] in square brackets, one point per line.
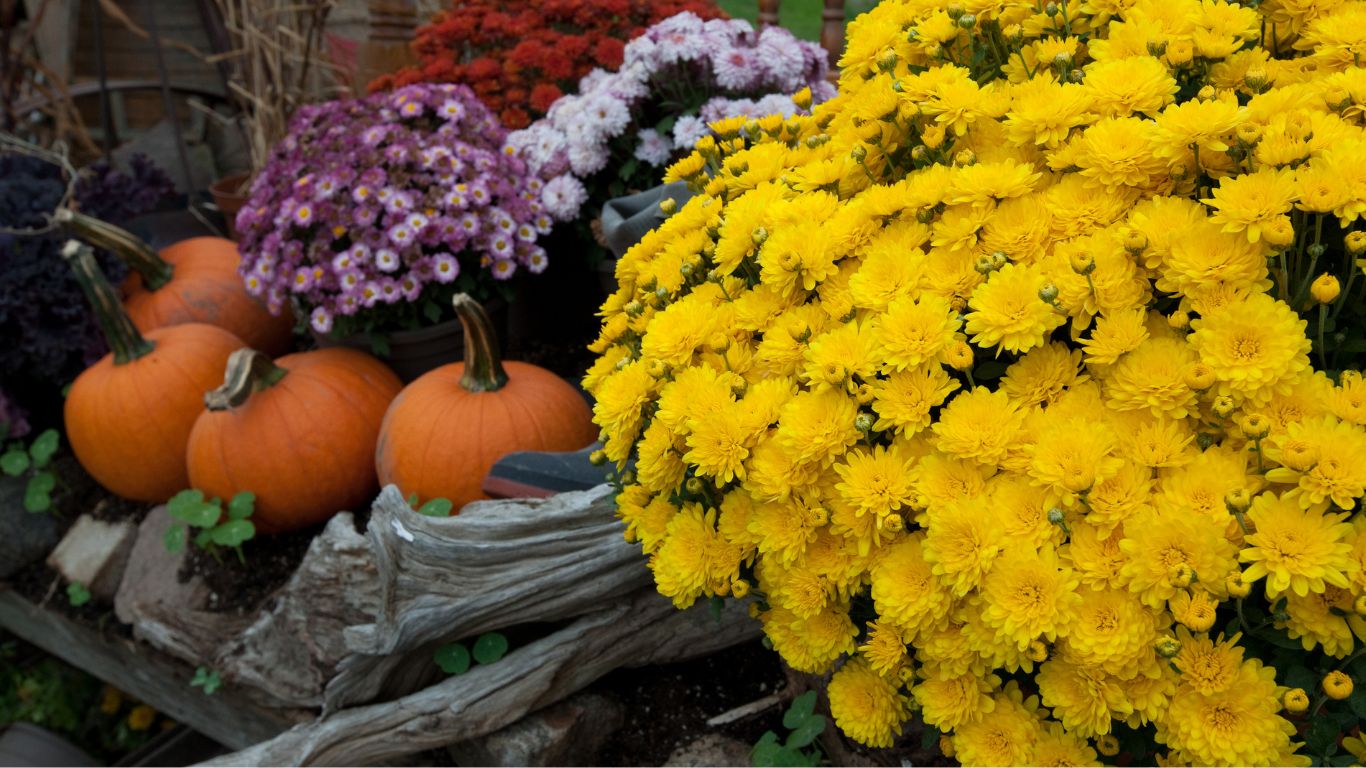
[1007, 311]
[1249, 202]
[1071, 456]
[1155, 544]
[865, 706]
[949, 702]
[1113, 631]
[1122, 87]
[913, 332]
[1028, 595]
[1339, 472]
[1296, 549]
[1004, 736]
[815, 427]
[1153, 376]
[961, 543]
[904, 400]
[884, 649]
[1320, 619]
[979, 425]
[875, 480]
[693, 556]
[1252, 345]
[1085, 698]
[1115, 334]
[140, 718]
[1042, 374]
[905, 590]
[1238, 725]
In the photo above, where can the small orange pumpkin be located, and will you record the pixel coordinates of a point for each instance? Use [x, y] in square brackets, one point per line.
[299, 433]
[192, 281]
[128, 417]
[444, 432]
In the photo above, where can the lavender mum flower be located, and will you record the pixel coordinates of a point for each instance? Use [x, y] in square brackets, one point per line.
[653, 148]
[387, 200]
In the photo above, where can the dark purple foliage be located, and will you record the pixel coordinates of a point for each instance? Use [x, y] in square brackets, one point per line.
[49, 333]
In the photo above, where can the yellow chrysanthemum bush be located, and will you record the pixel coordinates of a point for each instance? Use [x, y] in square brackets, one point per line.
[1017, 385]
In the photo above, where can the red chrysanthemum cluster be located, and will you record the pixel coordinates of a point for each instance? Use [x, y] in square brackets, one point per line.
[519, 56]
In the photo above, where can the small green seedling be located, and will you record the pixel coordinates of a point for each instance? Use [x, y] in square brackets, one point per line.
[804, 726]
[455, 658]
[33, 461]
[77, 594]
[214, 528]
[207, 679]
[433, 507]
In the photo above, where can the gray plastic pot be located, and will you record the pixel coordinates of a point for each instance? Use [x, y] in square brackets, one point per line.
[28, 744]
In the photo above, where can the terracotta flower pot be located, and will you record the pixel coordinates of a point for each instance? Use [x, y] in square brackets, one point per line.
[230, 196]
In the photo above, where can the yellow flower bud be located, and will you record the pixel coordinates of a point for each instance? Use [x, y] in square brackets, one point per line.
[959, 355]
[1325, 289]
[1205, 93]
[739, 588]
[892, 523]
[1199, 377]
[1279, 233]
[1359, 606]
[1179, 320]
[1337, 685]
[1295, 701]
[802, 98]
[1255, 426]
[1249, 133]
[933, 136]
[141, 717]
[668, 205]
[693, 485]
[1180, 52]
[754, 610]
[1237, 587]
[1355, 242]
[1237, 500]
[1037, 652]
[1083, 263]
[597, 458]
[1167, 647]
[1255, 79]
[1223, 406]
[965, 157]
[1107, 745]
[1180, 576]
[1135, 242]
[946, 746]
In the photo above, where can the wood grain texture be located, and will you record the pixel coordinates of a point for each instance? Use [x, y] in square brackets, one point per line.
[227, 716]
[495, 565]
[644, 629]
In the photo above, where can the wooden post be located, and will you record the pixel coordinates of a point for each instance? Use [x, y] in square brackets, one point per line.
[832, 31]
[388, 47]
[768, 13]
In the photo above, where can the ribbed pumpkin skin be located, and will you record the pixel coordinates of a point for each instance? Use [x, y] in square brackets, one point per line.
[305, 445]
[129, 424]
[439, 440]
[206, 288]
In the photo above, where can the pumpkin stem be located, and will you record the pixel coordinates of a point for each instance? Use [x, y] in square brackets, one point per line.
[248, 372]
[483, 362]
[125, 341]
[155, 271]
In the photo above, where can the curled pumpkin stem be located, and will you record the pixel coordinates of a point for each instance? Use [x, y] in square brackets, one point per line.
[483, 362]
[124, 339]
[248, 371]
[154, 270]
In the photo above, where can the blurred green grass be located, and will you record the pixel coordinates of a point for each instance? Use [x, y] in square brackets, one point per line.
[802, 17]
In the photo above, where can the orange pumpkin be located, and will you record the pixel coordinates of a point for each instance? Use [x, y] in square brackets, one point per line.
[128, 417]
[299, 433]
[192, 281]
[444, 432]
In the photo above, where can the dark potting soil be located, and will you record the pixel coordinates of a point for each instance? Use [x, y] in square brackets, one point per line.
[44, 587]
[668, 706]
[242, 586]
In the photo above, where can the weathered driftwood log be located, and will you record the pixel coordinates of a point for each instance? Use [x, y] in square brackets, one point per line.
[358, 618]
[495, 565]
[644, 629]
[285, 654]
